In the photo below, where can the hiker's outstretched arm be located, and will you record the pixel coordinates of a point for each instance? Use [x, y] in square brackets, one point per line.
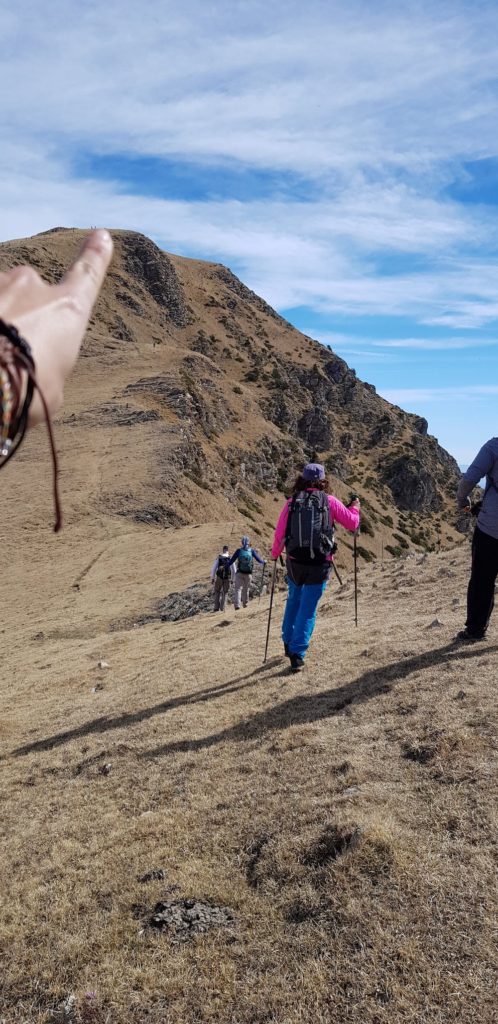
[280, 529]
[481, 466]
[347, 517]
[53, 318]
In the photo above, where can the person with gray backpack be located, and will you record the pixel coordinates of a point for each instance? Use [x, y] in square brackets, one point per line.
[481, 588]
[221, 574]
[244, 556]
[305, 529]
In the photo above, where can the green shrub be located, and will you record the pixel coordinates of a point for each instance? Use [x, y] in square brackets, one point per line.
[237, 390]
[364, 553]
[387, 521]
[403, 543]
[366, 526]
[395, 552]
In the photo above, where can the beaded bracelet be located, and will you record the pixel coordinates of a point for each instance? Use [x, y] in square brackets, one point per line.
[16, 362]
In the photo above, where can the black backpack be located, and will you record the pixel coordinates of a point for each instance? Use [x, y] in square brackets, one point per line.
[309, 536]
[223, 570]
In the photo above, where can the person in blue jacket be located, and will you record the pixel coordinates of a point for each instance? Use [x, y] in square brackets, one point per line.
[244, 557]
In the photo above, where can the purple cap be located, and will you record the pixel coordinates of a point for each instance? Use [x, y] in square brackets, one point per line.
[313, 471]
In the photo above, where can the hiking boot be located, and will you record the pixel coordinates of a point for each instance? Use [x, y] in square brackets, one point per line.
[296, 662]
[464, 637]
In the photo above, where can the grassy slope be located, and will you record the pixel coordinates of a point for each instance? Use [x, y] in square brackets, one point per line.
[347, 816]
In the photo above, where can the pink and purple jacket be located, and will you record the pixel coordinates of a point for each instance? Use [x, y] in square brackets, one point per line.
[348, 517]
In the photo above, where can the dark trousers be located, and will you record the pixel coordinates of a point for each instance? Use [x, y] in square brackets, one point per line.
[481, 590]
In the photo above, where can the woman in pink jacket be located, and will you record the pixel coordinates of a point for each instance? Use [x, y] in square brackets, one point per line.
[305, 529]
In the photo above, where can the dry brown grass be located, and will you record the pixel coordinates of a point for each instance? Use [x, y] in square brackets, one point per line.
[346, 816]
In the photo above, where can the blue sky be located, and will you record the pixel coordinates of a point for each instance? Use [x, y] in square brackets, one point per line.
[342, 159]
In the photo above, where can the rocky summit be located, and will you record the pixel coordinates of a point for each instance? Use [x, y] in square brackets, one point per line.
[195, 401]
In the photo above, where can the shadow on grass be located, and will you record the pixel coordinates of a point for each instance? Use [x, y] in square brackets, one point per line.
[300, 710]
[307, 708]
[105, 724]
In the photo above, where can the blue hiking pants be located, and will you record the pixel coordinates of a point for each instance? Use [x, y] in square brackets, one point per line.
[300, 615]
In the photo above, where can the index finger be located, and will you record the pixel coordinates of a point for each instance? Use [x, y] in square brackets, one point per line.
[84, 279]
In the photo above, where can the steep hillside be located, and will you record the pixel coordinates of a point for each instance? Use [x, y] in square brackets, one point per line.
[194, 401]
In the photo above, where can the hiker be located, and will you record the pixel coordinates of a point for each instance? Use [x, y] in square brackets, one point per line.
[306, 529]
[244, 557]
[41, 330]
[481, 588]
[221, 574]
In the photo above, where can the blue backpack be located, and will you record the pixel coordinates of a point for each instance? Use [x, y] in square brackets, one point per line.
[244, 560]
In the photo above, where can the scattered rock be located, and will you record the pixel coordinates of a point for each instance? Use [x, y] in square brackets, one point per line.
[153, 515]
[105, 769]
[351, 791]
[67, 1012]
[156, 874]
[97, 687]
[103, 664]
[435, 624]
[184, 919]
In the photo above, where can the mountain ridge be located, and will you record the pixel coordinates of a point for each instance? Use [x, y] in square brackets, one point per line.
[225, 399]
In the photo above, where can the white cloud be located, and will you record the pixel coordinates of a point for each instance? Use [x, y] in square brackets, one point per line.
[408, 397]
[370, 106]
[316, 89]
[437, 344]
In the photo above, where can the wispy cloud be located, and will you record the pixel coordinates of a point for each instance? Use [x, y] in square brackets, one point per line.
[438, 344]
[373, 108]
[408, 397]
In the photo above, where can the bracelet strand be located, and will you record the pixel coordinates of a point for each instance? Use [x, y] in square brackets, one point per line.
[16, 360]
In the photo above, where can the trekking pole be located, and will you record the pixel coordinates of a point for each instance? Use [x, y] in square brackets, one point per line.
[262, 582]
[353, 497]
[355, 557]
[271, 605]
[336, 572]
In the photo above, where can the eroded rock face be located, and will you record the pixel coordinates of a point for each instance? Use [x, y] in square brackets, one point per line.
[411, 484]
[197, 402]
[156, 273]
[281, 411]
[268, 467]
[315, 428]
[420, 424]
[384, 431]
